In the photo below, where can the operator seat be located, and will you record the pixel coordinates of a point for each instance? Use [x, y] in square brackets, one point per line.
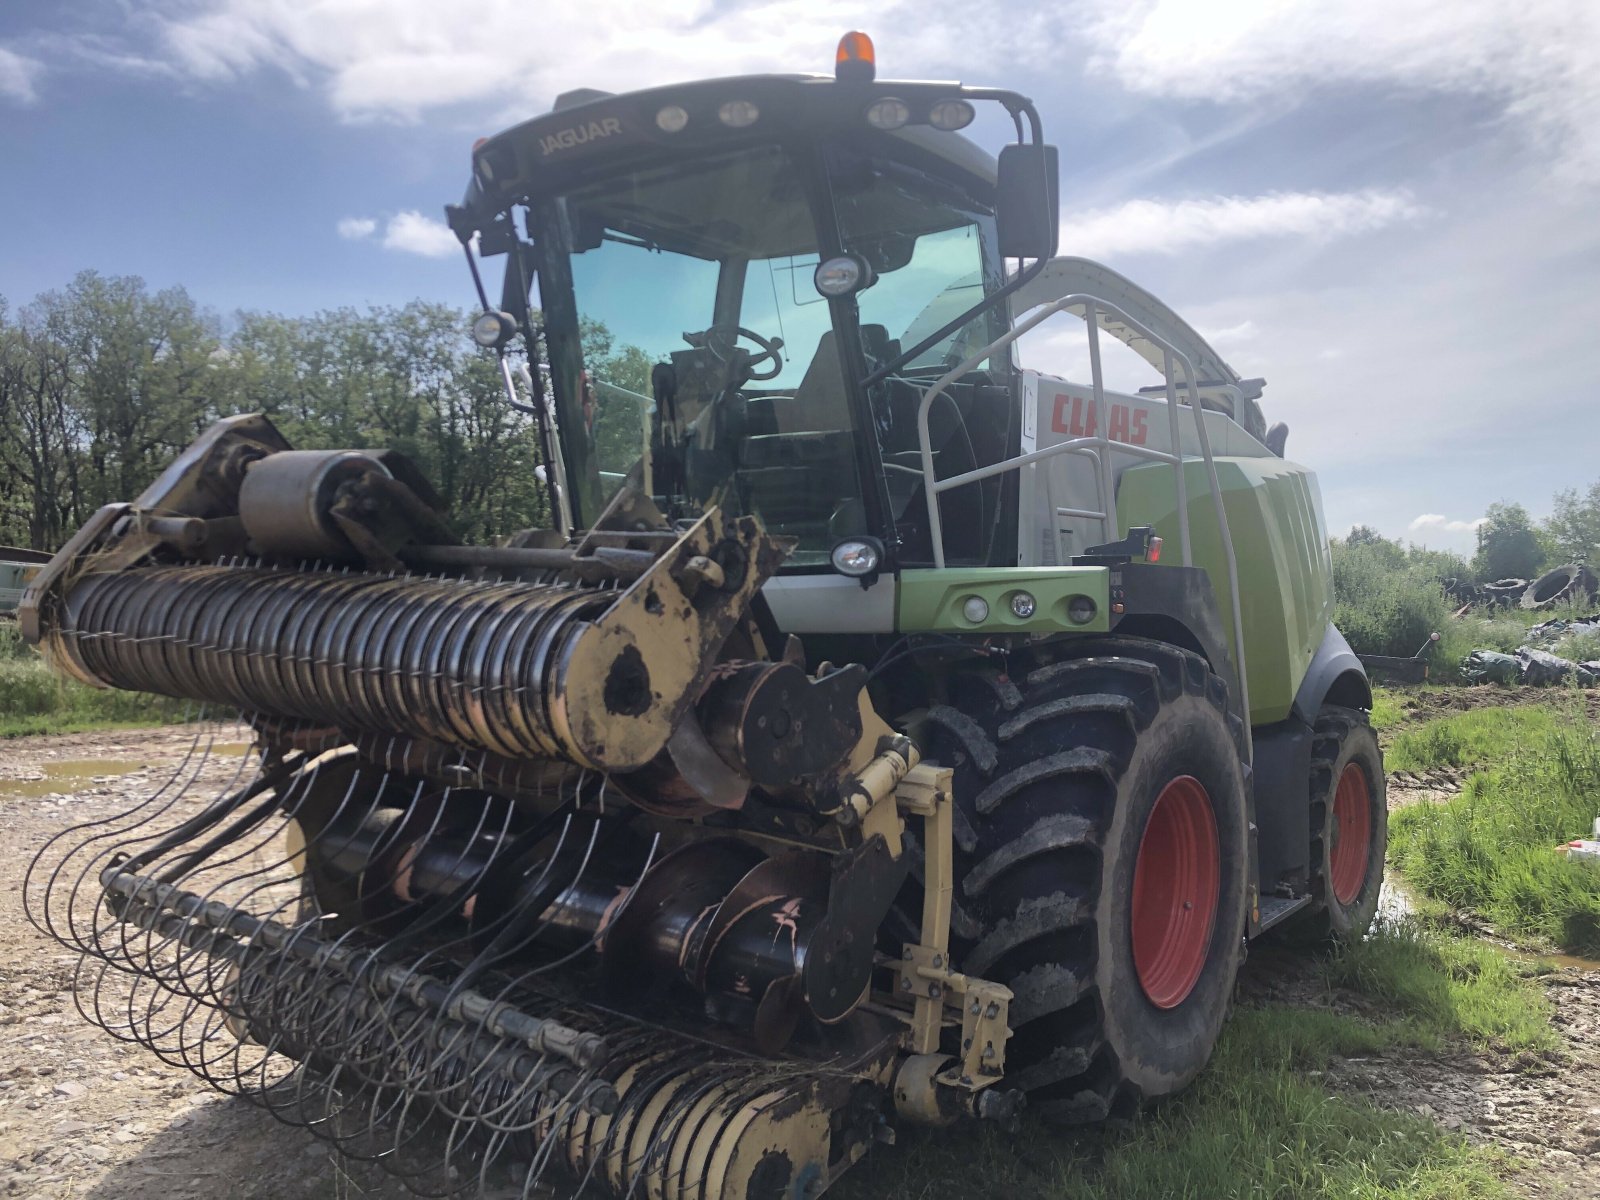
[819, 402]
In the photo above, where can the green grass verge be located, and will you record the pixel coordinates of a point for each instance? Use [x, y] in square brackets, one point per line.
[1258, 1123]
[1448, 986]
[1388, 708]
[1470, 739]
[1492, 849]
[33, 700]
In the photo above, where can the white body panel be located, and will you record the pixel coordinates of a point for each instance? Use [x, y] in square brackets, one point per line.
[831, 604]
[1055, 410]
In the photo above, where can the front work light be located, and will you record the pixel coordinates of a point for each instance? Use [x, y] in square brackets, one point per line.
[739, 114]
[889, 113]
[1023, 605]
[855, 557]
[950, 115]
[672, 119]
[842, 276]
[491, 330]
[975, 609]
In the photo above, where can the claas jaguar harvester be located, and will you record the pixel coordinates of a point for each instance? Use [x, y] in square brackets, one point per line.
[882, 733]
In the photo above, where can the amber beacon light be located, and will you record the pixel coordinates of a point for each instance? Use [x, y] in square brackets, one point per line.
[856, 59]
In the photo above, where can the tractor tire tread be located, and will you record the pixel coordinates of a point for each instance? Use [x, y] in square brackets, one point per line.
[1038, 819]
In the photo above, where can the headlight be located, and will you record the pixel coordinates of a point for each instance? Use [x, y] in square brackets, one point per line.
[856, 557]
[491, 330]
[842, 275]
[671, 119]
[975, 609]
[739, 114]
[888, 113]
[1080, 610]
[1023, 604]
[951, 115]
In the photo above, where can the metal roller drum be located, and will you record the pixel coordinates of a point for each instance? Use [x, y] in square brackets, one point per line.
[481, 665]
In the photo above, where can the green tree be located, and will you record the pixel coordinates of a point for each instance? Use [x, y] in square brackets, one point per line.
[1508, 545]
[1375, 547]
[141, 366]
[1438, 565]
[39, 503]
[1574, 525]
[407, 379]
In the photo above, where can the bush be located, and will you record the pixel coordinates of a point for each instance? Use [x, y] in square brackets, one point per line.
[33, 699]
[1384, 604]
[12, 646]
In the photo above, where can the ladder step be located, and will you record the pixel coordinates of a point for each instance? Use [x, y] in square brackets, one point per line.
[1275, 909]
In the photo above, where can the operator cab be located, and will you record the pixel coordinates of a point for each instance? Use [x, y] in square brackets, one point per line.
[739, 289]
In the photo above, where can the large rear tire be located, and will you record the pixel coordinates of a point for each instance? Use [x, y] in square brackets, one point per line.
[1102, 843]
[1349, 827]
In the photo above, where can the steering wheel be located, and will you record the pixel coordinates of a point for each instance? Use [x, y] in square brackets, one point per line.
[720, 339]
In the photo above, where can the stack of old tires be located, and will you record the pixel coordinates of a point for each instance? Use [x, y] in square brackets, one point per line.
[1504, 593]
[1573, 583]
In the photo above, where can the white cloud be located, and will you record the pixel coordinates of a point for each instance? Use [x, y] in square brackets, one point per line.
[356, 228]
[1439, 523]
[19, 76]
[1178, 226]
[398, 59]
[1538, 59]
[1232, 335]
[413, 233]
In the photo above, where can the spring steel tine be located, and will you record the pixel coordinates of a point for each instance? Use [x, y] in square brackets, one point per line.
[580, 1049]
[38, 907]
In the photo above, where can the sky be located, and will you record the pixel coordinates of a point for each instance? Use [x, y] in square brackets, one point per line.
[1387, 208]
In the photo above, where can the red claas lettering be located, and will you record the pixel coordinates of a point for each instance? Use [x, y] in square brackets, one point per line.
[1075, 417]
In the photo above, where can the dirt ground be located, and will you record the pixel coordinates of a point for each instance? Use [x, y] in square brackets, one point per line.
[84, 1116]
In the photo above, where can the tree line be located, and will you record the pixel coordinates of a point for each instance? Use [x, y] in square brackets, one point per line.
[103, 382]
[1511, 544]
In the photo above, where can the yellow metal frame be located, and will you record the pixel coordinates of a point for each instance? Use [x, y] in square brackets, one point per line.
[925, 974]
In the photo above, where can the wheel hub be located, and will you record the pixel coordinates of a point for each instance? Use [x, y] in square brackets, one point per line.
[1175, 892]
[1350, 834]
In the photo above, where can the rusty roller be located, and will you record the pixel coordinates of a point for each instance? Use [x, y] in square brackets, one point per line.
[589, 659]
[488, 666]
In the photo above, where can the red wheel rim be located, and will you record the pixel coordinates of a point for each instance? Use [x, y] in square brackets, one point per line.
[1351, 834]
[1175, 884]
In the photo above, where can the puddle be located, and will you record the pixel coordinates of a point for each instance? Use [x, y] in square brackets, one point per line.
[1558, 961]
[1395, 904]
[68, 776]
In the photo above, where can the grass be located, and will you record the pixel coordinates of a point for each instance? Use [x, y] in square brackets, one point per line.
[1388, 708]
[1492, 849]
[34, 700]
[1579, 647]
[1469, 739]
[1448, 986]
[1258, 1122]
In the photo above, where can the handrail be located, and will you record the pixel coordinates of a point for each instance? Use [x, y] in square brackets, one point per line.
[1100, 445]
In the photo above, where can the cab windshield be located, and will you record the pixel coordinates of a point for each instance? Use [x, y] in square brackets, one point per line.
[692, 355]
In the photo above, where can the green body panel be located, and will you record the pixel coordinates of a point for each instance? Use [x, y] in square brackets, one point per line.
[1285, 573]
[933, 600]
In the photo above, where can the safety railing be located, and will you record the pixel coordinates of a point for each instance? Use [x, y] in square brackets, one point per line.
[1099, 447]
